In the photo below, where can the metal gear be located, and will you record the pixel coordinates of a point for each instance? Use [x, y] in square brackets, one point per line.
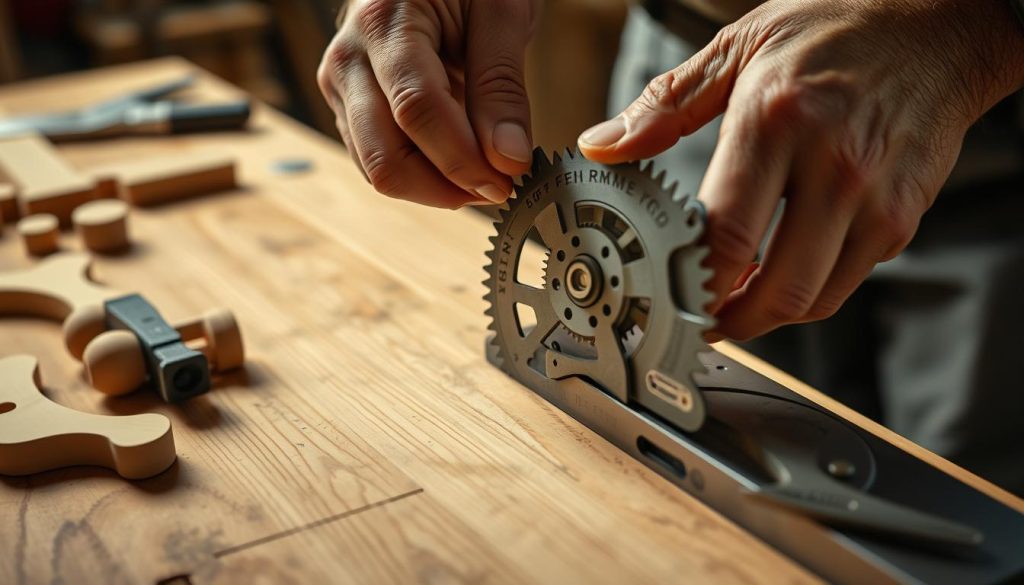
[622, 300]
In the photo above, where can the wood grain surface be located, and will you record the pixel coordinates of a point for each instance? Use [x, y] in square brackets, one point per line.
[368, 440]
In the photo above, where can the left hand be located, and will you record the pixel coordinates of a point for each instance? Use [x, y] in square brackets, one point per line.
[854, 111]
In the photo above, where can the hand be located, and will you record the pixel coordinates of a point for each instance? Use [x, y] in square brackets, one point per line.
[429, 96]
[854, 111]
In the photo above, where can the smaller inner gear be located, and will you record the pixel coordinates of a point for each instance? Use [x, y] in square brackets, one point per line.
[586, 281]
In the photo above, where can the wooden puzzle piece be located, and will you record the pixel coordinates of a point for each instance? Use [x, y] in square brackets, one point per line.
[156, 180]
[52, 289]
[37, 434]
[46, 183]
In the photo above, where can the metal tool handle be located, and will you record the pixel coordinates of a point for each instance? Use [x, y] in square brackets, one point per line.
[209, 117]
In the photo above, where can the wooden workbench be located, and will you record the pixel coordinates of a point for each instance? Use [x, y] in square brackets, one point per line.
[368, 439]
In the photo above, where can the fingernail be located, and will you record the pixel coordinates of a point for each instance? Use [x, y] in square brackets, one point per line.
[475, 203]
[510, 141]
[492, 193]
[605, 133]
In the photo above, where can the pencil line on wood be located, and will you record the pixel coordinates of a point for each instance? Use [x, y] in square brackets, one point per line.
[314, 524]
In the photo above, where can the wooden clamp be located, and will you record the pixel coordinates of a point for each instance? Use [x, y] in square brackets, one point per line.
[122, 339]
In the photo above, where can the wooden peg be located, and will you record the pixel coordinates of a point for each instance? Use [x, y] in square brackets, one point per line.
[46, 182]
[83, 325]
[102, 225]
[162, 179]
[9, 203]
[40, 233]
[114, 363]
[38, 435]
[52, 288]
[221, 338]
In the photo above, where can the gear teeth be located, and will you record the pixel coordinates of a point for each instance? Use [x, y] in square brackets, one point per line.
[556, 158]
[659, 179]
[570, 153]
[672, 191]
[540, 160]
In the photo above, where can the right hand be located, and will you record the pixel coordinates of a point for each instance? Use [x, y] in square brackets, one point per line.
[429, 96]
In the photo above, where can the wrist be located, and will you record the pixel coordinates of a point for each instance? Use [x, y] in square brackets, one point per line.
[990, 47]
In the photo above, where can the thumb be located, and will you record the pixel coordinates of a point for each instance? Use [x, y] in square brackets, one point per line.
[498, 31]
[674, 104]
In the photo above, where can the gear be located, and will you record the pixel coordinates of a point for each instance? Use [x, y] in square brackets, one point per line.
[622, 300]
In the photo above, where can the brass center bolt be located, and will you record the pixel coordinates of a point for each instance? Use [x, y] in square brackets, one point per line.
[583, 279]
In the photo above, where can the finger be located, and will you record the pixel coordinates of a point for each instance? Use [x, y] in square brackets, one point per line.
[496, 92]
[803, 252]
[332, 66]
[865, 247]
[393, 165]
[413, 79]
[741, 191]
[674, 104]
[341, 123]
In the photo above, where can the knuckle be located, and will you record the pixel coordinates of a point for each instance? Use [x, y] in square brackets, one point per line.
[896, 228]
[412, 107]
[731, 240]
[790, 302]
[503, 82]
[376, 18]
[338, 57]
[900, 214]
[456, 171]
[784, 103]
[851, 177]
[341, 55]
[659, 94]
[828, 304]
[823, 99]
[381, 172]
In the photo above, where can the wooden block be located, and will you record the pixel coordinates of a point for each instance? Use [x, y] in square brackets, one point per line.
[102, 225]
[52, 288]
[158, 180]
[46, 182]
[38, 435]
[8, 203]
[40, 233]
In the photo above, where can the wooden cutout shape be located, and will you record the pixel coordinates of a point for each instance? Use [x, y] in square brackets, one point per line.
[39, 435]
[156, 180]
[52, 288]
[45, 181]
